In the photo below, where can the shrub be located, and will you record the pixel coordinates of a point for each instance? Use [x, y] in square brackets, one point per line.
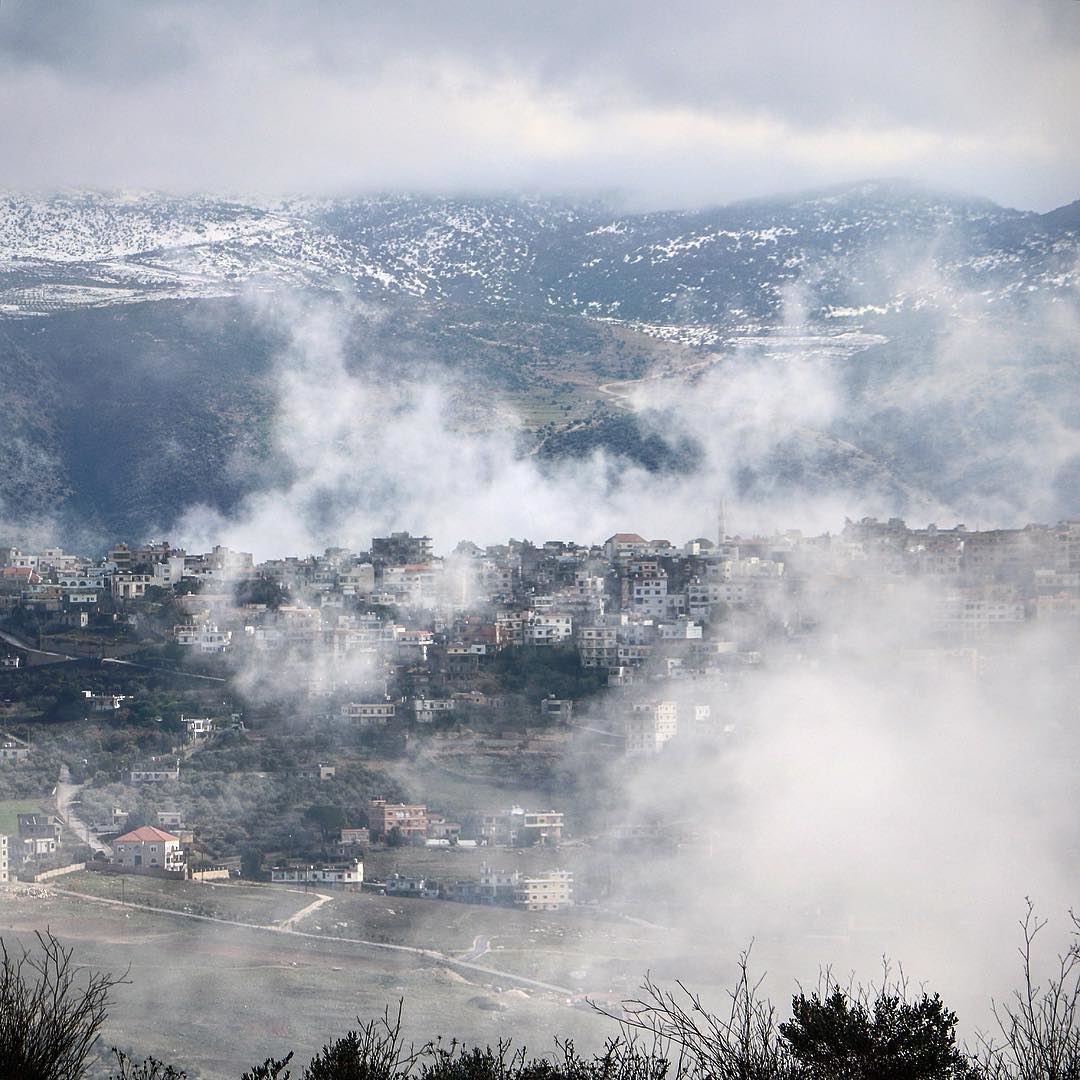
[842, 1035]
[50, 1013]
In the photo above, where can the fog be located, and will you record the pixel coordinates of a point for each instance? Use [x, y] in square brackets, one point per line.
[860, 794]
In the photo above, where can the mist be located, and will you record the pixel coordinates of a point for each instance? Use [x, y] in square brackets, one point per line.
[864, 767]
[869, 789]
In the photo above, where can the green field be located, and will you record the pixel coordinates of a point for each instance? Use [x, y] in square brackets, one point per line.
[10, 810]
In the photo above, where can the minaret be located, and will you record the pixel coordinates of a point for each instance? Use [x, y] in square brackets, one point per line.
[721, 524]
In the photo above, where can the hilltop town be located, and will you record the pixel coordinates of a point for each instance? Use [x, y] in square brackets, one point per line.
[298, 720]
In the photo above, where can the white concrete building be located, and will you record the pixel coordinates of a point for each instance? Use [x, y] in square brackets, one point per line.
[368, 714]
[549, 628]
[650, 726]
[348, 872]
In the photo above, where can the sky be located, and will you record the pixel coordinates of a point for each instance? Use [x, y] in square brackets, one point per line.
[689, 102]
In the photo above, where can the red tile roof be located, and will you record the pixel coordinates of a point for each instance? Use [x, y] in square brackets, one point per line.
[147, 832]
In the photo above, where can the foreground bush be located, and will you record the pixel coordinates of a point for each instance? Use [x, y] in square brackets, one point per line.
[51, 1017]
[50, 1012]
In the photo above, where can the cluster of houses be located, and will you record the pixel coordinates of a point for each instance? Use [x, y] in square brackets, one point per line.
[37, 837]
[154, 851]
[626, 605]
[412, 822]
[398, 636]
[549, 890]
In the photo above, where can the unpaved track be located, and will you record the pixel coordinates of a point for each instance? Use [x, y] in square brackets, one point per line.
[428, 954]
[303, 913]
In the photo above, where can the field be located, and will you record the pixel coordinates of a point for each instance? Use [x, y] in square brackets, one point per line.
[577, 951]
[213, 998]
[9, 814]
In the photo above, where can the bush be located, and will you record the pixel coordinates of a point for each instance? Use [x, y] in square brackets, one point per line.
[839, 1035]
[373, 1052]
[1040, 1027]
[150, 1069]
[50, 1013]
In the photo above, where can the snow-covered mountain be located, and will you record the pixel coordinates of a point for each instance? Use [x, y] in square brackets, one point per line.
[134, 382]
[870, 248]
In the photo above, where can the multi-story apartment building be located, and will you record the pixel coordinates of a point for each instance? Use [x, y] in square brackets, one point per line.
[550, 891]
[399, 548]
[368, 714]
[518, 825]
[410, 819]
[598, 646]
[548, 628]
[650, 726]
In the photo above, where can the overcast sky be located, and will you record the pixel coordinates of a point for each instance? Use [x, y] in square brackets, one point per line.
[669, 102]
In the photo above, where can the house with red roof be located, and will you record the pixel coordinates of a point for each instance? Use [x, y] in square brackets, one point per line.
[148, 848]
[622, 545]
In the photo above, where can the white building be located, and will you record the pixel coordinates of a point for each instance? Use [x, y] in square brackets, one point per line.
[428, 709]
[5, 873]
[197, 727]
[155, 772]
[205, 637]
[368, 714]
[349, 872]
[650, 726]
[127, 586]
[649, 595]
[549, 628]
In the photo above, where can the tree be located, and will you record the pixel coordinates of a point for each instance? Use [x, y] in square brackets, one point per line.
[1040, 1027]
[328, 819]
[374, 1051]
[741, 1044]
[840, 1035]
[51, 1013]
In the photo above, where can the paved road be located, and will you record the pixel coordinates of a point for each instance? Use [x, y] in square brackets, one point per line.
[19, 643]
[480, 946]
[65, 794]
[168, 671]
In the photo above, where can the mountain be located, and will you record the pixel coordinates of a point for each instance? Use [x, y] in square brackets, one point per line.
[138, 367]
[714, 267]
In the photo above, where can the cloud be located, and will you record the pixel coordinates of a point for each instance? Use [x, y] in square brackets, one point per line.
[358, 451]
[694, 103]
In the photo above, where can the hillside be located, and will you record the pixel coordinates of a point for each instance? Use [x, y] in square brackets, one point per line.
[142, 338]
